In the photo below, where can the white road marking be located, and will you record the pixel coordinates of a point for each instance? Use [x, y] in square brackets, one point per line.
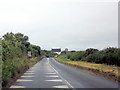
[55, 80]
[60, 86]
[60, 75]
[23, 80]
[27, 76]
[14, 86]
[52, 76]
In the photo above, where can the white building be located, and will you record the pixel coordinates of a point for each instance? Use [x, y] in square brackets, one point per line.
[58, 51]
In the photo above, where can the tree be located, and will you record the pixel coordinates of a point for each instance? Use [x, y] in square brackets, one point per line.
[91, 51]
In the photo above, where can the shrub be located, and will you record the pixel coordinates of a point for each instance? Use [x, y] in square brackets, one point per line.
[14, 55]
[110, 56]
[76, 55]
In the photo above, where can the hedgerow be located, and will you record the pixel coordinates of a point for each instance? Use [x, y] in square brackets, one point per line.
[110, 56]
[15, 58]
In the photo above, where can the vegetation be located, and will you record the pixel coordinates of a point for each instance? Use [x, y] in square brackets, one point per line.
[105, 61]
[15, 59]
[106, 70]
[49, 53]
[110, 56]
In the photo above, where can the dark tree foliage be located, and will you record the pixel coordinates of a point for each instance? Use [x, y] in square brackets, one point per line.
[17, 45]
[110, 56]
[90, 51]
[49, 53]
[36, 51]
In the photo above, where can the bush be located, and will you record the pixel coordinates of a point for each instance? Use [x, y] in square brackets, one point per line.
[90, 51]
[75, 55]
[15, 49]
[110, 56]
[49, 53]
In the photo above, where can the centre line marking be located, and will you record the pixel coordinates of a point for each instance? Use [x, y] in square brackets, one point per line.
[60, 75]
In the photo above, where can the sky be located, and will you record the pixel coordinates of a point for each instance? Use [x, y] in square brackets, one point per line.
[72, 24]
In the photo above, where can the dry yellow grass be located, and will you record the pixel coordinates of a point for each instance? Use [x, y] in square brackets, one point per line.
[101, 67]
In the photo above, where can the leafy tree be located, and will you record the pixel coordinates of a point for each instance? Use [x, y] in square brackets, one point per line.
[15, 47]
[90, 51]
[110, 56]
[49, 53]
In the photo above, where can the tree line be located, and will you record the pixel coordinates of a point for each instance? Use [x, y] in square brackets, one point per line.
[110, 56]
[15, 60]
[49, 53]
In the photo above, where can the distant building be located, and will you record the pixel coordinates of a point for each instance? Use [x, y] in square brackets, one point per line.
[66, 49]
[58, 51]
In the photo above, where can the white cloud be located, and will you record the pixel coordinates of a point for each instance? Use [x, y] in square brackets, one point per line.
[76, 24]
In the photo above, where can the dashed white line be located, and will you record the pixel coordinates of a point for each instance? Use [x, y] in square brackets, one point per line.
[60, 75]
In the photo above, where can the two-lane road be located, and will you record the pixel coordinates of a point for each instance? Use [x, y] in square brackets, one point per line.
[48, 73]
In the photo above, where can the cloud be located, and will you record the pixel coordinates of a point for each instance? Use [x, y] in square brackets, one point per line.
[73, 24]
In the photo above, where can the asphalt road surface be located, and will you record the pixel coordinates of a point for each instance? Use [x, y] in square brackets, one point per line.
[48, 73]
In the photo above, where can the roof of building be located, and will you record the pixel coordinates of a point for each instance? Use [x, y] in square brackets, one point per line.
[56, 50]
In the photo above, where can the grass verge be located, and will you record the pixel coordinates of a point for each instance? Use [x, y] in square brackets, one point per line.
[14, 68]
[107, 71]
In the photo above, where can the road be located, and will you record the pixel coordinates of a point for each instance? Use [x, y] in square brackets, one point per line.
[48, 73]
